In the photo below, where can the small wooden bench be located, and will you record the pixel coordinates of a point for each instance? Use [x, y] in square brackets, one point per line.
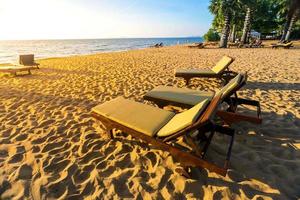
[14, 69]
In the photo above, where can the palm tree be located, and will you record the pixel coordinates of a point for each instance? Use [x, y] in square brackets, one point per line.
[292, 22]
[225, 31]
[250, 6]
[293, 9]
[215, 9]
[236, 18]
[223, 9]
[232, 33]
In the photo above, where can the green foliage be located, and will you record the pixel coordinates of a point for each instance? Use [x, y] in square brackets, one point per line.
[296, 32]
[265, 18]
[211, 35]
[267, 15]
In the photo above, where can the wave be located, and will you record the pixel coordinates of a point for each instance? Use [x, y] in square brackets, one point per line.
[9, 50]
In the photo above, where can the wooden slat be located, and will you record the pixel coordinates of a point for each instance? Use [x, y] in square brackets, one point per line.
[185, 158]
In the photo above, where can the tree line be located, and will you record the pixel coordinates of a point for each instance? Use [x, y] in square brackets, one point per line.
[236, 18]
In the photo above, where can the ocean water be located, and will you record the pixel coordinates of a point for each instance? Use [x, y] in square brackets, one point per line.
[9, 50]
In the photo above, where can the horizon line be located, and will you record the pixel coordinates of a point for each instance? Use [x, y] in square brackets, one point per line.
[102, 38]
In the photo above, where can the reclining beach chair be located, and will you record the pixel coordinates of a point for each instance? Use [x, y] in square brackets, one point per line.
[186, 98]
[28, 60]
[257, 44]
[14, 69]
[162, 128]
[158, 45]
[234, 44]
[197, 46]
[282, 45]
[220, 70]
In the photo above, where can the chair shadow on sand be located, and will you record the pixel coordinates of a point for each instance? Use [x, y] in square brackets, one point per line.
[272, 86]
[264, 154]
[52, 74]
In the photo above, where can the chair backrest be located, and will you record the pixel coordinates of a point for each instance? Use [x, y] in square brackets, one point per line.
[222, 64]
[183, 119]
[288, 44]
[210, 111]
[26, 59]
[206, 113]
[232, 86]
[201, 113]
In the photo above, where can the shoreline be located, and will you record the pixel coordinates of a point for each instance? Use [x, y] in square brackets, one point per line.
[266, 42]
[62, 48]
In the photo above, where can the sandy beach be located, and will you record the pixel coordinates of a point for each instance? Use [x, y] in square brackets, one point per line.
[51, 148]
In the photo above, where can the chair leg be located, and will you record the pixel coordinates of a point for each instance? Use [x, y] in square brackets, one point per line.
[111, 134]
[228, 155]
[184, 172]
[187, 81]
[109, 131]
[193, 145]
[204, 150]
[240, 101]
[201, 137]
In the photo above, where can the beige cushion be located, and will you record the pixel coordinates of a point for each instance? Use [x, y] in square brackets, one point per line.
[179, 95]
[222, 64]
[140, 117]
[288, 44]
[179, 72]
[230, 86]
[183, 120]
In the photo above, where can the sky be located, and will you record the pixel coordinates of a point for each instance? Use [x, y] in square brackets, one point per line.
[78, 19]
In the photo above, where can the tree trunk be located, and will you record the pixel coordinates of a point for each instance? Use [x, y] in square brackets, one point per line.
[233, 32]
[225, 32]
[285, 30]
[246, 28]
[291, 24]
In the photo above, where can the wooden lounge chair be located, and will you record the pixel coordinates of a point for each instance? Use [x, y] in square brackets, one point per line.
[211, 43]
[28, 60]
[257, 44]
[234, 44]
[14, 69]
[282, 45]
[186, 98]
[197, 46]
[162, 128]
[158, 45]
[220, 70]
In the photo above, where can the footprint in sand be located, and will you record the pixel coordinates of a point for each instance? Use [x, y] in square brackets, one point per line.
[16, 158]
[25, 172]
